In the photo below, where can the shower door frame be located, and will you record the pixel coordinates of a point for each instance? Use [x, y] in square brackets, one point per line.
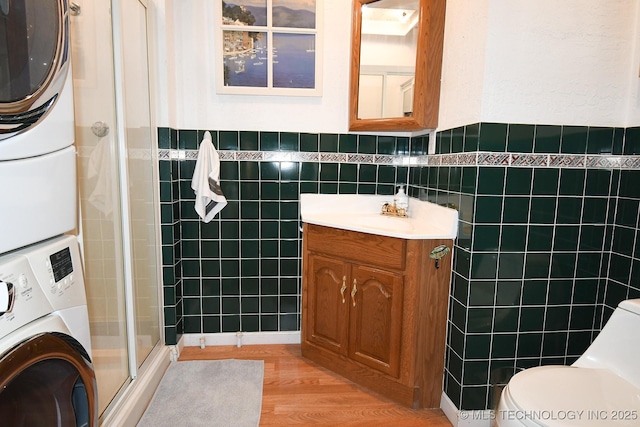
[140, 375]
[119, 72]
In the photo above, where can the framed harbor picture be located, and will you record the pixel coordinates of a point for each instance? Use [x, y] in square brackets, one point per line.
[268, 47]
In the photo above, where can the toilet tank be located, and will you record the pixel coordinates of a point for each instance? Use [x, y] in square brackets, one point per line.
[617, 346]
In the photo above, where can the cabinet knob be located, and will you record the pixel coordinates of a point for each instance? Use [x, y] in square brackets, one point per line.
[343, 288]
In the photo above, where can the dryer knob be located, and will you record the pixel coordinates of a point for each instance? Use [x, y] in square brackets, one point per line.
[7, 294]
[23, 281]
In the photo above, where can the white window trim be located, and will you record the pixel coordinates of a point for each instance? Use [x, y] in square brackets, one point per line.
[269, 29]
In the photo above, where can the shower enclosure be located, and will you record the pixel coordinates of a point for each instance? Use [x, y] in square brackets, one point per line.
[118, 191]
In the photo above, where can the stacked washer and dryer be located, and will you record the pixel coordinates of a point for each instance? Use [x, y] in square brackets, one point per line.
[46, 375]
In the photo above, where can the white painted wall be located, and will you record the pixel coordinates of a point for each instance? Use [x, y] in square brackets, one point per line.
[463, 62]
[163, 71]
[194, 103]
[564, 62]
[633, 110]
[569, 62]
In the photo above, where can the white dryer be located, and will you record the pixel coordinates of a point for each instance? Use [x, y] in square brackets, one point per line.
[46, 374]
[37, 157]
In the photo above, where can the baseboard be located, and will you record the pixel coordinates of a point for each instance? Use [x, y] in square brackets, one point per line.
[464, 418]
[241, 338]
[177, 349]
[132, 403]
[449, 409]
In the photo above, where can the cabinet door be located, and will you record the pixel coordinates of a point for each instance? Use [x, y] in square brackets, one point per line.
[376, 318]
[327, 294]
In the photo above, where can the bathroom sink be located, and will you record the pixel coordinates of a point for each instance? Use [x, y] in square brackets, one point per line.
[359, 212]
[382, 223]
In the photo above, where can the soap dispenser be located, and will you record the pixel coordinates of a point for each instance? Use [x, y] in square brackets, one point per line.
[402, 200]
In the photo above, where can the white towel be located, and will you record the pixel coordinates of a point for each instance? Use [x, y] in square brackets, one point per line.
[209, 197]
[100, 166]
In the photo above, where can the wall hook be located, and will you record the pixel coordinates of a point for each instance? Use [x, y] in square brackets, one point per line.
[75, 8]
[439, 252]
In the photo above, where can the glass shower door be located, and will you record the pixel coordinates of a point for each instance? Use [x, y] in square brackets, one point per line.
[142, 177]
[116, 180]
[99, 192]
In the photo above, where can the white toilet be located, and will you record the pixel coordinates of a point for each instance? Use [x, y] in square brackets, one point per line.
[602, 388]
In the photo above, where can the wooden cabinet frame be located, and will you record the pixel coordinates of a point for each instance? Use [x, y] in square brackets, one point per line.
[428, 71]
[402, 268]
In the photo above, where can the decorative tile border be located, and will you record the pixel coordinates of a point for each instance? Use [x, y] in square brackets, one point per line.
[494, 159]
[576, 161]
[479, 158]
[309, 157]
[566, 161]
[247, 156]
[162, 154]
[612, 162]
[384, 159]
[191, 155]
[337, 158]
[531, 160]
[630, 162]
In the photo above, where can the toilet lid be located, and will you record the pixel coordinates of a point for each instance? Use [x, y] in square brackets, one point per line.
[570, 396]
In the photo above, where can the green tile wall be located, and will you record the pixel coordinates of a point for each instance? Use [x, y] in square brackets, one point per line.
[242, 271]
[544, 253]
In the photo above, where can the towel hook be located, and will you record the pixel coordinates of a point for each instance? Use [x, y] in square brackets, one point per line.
[100, 129]
[75, 8]
[438, 253]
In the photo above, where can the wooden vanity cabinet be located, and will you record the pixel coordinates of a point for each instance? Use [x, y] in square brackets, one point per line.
[356, 311]
[374, 310]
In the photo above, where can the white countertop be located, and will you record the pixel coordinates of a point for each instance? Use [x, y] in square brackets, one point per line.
[360, 212]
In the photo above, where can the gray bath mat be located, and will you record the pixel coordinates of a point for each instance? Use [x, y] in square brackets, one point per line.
[207, 393]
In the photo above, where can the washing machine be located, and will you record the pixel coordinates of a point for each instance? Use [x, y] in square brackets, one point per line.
[37, 157]
[46, 374]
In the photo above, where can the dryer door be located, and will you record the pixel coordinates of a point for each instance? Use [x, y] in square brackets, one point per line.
[48, 380]
[34, 60]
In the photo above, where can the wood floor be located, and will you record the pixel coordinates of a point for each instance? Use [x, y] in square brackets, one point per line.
[299, 392]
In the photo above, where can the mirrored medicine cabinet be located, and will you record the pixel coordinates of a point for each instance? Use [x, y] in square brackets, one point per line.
[396, 64]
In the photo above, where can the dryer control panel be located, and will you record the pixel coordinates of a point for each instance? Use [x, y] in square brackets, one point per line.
[60, 268]
[39, 280]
